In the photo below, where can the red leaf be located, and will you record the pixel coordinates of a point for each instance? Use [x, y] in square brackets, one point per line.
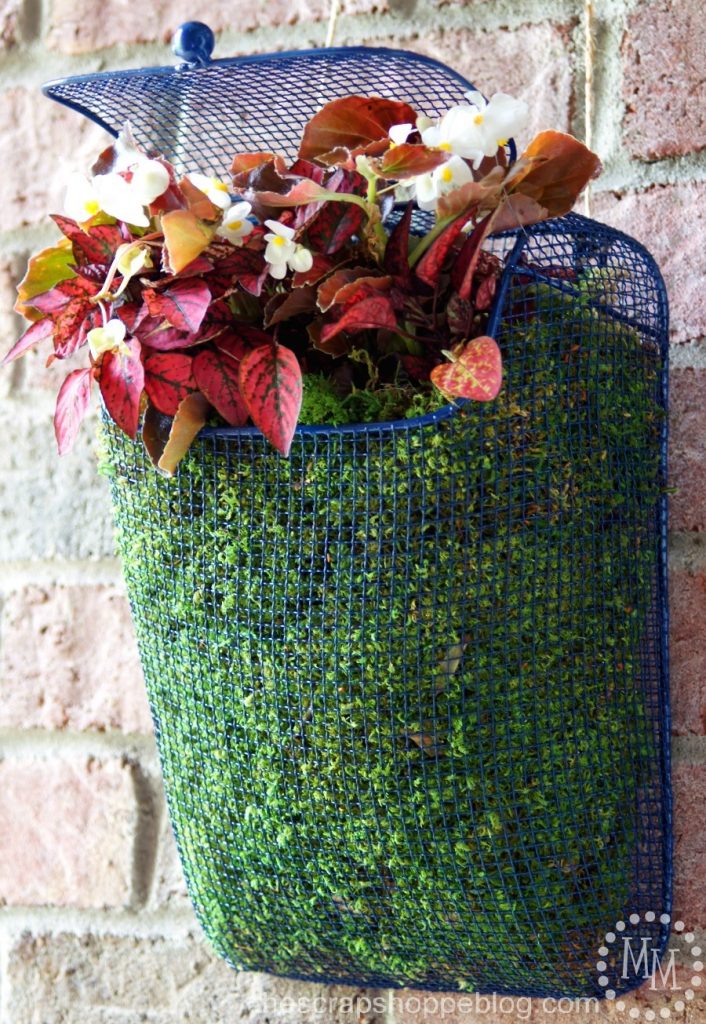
[71, 406]
[334, 223]
[237, 266]
[34, 334]
[407, 161]
[476, 373]
[432, 262]
[60, 295]
[71, 325]
[271, 384]
[98, 244]
[244, 163]
[320, 268]
[168, 380]
[396, 259]
[235, 344]
[329, 289]
[352, 123]
[217, 376]
[375, 311]
[122, 380]
[183, 305]
[300, 194]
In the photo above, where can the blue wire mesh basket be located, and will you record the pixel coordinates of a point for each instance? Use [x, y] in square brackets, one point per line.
[410, 686]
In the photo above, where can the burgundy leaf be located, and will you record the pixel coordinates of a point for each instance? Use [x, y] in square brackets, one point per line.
[271, 384]
[408, 161]
[396, 259]
[72, 324]
[375, 311]
[285, 305]
[122, 379]
[71, 406]
[352, 123]
[183, 305]
[169, 379]
[217, 376]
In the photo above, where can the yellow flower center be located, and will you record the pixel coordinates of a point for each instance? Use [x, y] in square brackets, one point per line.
[278, 240]
[447, 174]
[446, 146]
[92, 207]
[220, 185]
[236, 225]
[502, 142]
[478, 119]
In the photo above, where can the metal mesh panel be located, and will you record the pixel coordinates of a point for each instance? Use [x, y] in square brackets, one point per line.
[410, 685]
[200, 117]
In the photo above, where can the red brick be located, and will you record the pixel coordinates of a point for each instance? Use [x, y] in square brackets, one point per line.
[670, 220]
[79, 26]
[689, 781]
[664, 56]
[68, 832]
[687, 596]
[40, 144]
[69, 661]
[687, 449]
[532, 62]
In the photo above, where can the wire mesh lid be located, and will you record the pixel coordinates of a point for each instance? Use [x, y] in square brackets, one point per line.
[200, 112]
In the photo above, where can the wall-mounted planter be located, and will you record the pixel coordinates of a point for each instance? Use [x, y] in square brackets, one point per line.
[410, 685]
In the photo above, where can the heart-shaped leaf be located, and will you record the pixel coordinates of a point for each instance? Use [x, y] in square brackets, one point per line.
[169, 379]
[72, 403]
[217, 376]
[476, 373]
[271, 384]
[122, 379]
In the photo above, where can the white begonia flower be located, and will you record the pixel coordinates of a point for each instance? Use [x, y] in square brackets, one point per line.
[105, 339]
[451, 175]
[282, 251]
[497, 119]
[302, 260]
[235, 225]
[457, 133]
[214, 188]
[118, 199]
[150, 180]
[81, 201]
[399, 133]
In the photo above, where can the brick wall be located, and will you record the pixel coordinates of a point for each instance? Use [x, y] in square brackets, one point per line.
[94, 923]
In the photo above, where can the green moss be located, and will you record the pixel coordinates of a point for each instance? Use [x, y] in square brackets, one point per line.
[322, 403]
[350, 800]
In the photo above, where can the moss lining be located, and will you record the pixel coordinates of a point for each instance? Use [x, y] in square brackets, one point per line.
[396, 679]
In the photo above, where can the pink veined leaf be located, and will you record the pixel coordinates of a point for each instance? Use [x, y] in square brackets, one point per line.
[432, 262]
[71, 325]
[475, 374]
[217, 376]
[373, 312]
[72, 403]
[396, 259]
[169, 379]
[304, 192]
[122, 380]
[97, 244]
[58, 297]
[271, 384]
[183, 305]
[33, 335]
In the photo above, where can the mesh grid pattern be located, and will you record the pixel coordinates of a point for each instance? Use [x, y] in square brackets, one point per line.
[200, 117]
[410, 685]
